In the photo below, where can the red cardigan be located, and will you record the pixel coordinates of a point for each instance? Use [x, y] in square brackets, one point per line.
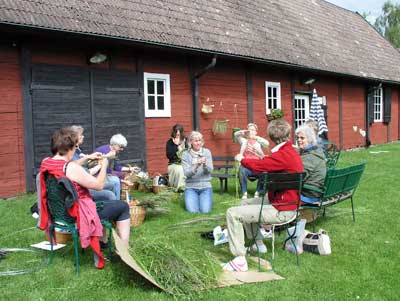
[286, 159]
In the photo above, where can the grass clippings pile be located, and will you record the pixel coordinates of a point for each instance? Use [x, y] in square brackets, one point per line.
[180, 272]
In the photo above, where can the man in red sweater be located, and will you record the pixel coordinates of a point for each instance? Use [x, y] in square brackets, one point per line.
[282, 206]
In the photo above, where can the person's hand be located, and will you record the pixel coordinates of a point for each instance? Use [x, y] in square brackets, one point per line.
[176, 140]
[111, 154]
[201, 160]
[134, 169]
[103, 162]
[239, 157]
[94, 156]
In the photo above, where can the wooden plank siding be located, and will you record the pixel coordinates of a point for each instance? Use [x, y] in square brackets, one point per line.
[158, 130]
[225, 83]
[12, 169]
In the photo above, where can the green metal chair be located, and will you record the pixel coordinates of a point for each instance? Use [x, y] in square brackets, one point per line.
[332, 154]
[275, 182]
[56, 195]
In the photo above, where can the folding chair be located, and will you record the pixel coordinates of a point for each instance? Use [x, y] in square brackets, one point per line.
[276, 182]
[56, 195]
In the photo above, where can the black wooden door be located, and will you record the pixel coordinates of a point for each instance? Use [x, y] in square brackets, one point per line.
[60, 97]
[104, 102]
[118, 109]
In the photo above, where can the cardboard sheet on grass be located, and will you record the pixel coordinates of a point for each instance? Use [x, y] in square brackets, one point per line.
[226, 278]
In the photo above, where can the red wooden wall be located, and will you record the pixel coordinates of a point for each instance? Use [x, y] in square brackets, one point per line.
[158, 130]
[12, 168]
[225, 83]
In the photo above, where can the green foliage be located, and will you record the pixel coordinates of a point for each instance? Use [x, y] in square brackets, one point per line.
[275, 114]
[388, 24]
[179, 272]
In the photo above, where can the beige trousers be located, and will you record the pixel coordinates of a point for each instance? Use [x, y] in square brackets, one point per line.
[176, 177]
[246, 216]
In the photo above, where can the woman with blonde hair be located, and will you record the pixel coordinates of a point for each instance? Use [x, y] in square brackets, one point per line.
[197, 166]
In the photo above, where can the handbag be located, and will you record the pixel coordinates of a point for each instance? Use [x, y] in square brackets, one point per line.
[317, 243]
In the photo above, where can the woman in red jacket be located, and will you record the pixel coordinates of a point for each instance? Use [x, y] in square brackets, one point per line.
[282, 206]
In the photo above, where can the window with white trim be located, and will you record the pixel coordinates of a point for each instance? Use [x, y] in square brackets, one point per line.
[272, 96]
[378, 104]
[157, 95]
[301, 109]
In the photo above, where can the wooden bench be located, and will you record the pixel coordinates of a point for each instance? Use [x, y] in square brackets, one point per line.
[224, 168]
[340, 185]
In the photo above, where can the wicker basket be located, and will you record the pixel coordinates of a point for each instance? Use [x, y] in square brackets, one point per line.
[62, 237]
[159, 188]
[138, 213]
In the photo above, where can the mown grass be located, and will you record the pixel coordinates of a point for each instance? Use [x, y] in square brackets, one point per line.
[364, 263]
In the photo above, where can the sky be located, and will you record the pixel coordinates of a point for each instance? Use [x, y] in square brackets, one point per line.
[374, 7]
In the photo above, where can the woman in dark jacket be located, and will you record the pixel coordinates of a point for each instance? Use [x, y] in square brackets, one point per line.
[174, 148]
[313, 161]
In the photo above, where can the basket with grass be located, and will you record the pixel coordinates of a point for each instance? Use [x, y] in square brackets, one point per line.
[62, 237]
[157, 189]
[138, 213]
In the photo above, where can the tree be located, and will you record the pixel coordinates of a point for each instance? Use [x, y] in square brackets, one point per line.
[388, 24]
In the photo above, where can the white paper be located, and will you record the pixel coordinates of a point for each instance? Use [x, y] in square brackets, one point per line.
[45, 245]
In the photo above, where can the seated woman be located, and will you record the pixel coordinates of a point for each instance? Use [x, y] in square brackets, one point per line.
[197, 166]
[63, 145]
[115, 172]
[281, 207]
[107, 193]
[314, 125]
[251, 147]
[313, 161]
[174, 147]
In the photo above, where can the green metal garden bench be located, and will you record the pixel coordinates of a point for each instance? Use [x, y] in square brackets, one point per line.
[340, 185]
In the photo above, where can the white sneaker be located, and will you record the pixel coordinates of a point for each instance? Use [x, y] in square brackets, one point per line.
[244, 197]
[266, 233]
[262, 248]
[256, 195]
[238, 264]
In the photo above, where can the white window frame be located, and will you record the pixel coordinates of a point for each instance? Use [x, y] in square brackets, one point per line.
[272, 85]
[166, 112]
[301, 112]
[378, 105]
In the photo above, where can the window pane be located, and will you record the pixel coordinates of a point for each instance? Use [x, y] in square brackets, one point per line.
[269, 92]
[160, 87]
[151, 103]
[274, 92]
[150, 86]
[160, 102]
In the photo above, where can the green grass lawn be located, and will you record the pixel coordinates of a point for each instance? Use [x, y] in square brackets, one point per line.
[365, 260]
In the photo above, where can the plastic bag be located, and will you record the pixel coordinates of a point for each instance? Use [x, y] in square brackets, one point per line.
[298, 238]
[220, 236]
[317, 243]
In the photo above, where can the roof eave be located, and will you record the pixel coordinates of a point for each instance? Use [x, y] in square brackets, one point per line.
[202, 51]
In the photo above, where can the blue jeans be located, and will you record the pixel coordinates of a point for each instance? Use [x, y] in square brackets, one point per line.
[306, 199]
[117, 185]
[198, 200]
[244, 173]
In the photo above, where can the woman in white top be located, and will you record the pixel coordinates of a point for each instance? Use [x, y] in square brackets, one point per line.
[251, 146]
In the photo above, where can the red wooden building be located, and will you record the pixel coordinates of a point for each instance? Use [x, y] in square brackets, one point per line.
[139, 68]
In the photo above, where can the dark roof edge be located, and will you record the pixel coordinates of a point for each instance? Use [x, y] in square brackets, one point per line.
[199, 50]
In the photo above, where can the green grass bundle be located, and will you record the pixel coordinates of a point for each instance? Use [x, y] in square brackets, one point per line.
[179, 272]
